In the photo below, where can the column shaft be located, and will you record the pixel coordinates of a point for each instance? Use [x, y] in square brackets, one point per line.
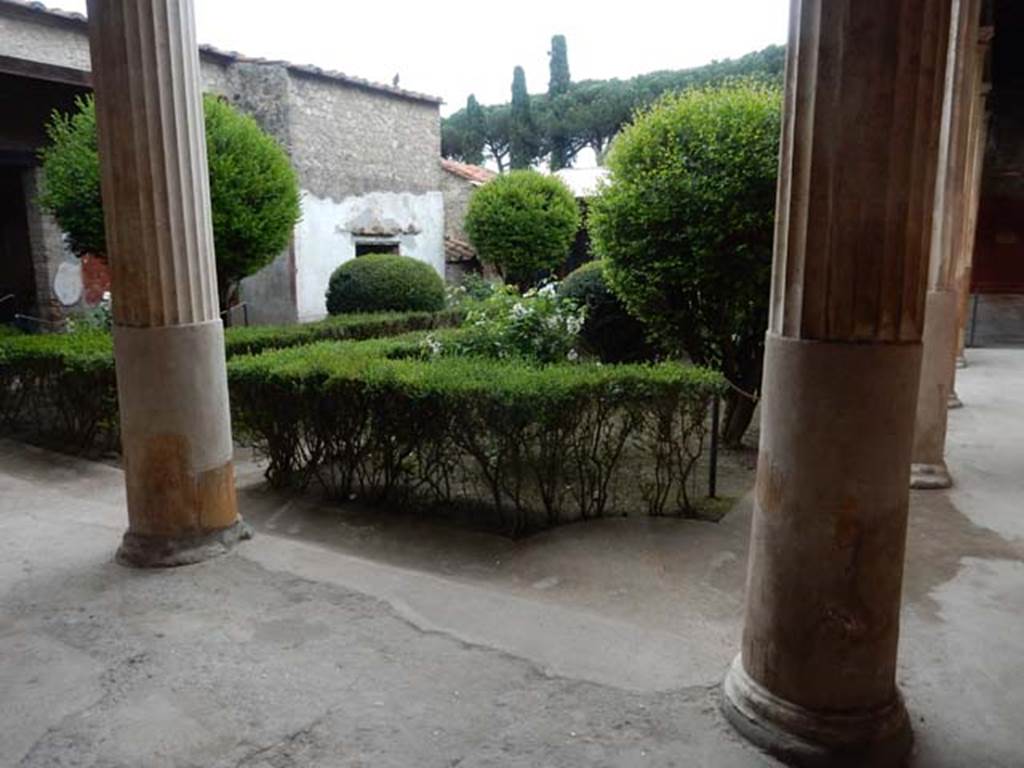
[952, 201]
[815, 680]
[168, 339]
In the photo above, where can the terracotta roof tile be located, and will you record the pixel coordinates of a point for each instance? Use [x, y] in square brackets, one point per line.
[475, 173]
[457, 251]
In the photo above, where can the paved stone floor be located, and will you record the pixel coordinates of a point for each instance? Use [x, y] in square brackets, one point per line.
[371, 640]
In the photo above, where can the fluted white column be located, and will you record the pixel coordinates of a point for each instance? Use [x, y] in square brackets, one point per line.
[815, 681]
[168, 339]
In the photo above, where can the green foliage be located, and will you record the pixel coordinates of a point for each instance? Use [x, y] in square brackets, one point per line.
[523, 139]
[466, 136]
[61, 387]
[686, 223]
[537, 326]
[537, 445]
[472, 287]
[591, 112]
[523, 223]
[558, 85]
[610, 332]
[476, 131]
[254, 193]
[380, 282]
[71, 177]
[367, 325]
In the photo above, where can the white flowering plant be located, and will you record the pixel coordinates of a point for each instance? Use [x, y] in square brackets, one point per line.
[537, 326]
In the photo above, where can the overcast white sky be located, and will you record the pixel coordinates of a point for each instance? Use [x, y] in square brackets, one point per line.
[451, 48]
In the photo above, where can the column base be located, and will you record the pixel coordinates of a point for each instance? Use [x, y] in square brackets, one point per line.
[801, 737]
[953, 401]
[141, 551]
[930, 477]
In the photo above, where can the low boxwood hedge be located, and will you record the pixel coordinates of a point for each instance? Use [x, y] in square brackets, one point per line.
[62, 387]
[538, 445]
[361, 325]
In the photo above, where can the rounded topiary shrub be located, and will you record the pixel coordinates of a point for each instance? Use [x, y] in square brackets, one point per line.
[609, 331]
[380, 282]
[254, 192]
[523, 223]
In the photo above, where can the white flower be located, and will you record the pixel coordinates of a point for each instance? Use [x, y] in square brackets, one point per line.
[548, 290]
[519, 311]
[573, 356]
[106, 296]
[573, 325]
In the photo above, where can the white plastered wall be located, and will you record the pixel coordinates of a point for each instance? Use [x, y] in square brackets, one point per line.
[326, 237]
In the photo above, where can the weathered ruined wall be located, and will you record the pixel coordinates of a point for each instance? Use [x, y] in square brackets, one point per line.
[348, 140]
[457, 192]
[330, 230]
[27, 34]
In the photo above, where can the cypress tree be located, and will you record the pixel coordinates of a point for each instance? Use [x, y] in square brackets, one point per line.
[522, 133]
[476, 132]
[558, 85]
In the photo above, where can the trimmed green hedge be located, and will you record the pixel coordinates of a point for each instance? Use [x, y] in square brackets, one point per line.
[363, 325]
[379, 282]
[62, 387]
[538, 445]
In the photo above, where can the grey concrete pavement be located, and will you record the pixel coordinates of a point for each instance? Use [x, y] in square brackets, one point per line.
[359, 639]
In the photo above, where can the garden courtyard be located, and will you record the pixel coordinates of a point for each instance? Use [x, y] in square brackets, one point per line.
[385, 641]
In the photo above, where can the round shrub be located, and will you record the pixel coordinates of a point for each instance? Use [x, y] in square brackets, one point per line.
[686, 224]
[254, 192]
[609, 331]
[523, 223]
[379, 282]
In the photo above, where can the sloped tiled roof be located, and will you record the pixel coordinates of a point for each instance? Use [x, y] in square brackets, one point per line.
[474, 173]
[457, 251]
[77, 19]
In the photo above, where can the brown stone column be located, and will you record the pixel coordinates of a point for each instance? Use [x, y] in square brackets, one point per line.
[815, 680]
[168, 339]
[976, 142]
[928, 469]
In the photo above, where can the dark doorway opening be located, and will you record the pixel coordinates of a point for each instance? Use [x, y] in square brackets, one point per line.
[377, 246]
[17, 281]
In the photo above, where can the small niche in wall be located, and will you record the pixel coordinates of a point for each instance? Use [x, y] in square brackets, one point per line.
[364, 247]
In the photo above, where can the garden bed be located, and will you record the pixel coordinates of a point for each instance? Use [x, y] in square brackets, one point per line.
[537, 445]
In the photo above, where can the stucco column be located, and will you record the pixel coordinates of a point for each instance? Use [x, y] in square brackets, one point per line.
[815, 680]
[168, 339]
[938, 367]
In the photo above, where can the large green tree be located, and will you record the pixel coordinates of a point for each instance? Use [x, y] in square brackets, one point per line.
[522, 130]
[591, 112]
[686, 224]
[558, 87]
[476, 131]
[254, 194]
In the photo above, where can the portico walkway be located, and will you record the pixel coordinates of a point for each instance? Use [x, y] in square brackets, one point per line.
[322, 644]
